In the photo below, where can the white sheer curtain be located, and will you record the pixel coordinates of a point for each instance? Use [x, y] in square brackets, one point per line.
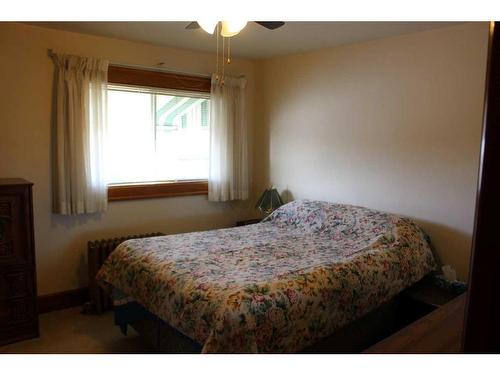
[79, 184]
[228, 171]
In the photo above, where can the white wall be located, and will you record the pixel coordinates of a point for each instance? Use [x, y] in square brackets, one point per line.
[26, 74]
[392, 124]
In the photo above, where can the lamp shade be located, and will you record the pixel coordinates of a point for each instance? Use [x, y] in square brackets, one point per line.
[208, 25]
[269, 201]
[231, 28]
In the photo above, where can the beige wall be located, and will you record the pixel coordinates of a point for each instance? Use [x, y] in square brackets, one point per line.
[393, 124]
[25, 120]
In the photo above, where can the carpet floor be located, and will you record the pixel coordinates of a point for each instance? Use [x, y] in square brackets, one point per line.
[70, 331]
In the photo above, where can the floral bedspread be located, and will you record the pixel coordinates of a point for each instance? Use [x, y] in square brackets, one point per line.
[278, 286]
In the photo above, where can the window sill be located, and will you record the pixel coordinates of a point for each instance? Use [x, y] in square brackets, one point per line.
[122, 192]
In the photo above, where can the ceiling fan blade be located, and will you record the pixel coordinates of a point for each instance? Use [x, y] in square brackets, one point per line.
[271, 25]
[192, 26]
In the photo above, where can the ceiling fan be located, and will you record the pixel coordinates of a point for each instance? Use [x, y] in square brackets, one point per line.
[225, 30]
[210, 26]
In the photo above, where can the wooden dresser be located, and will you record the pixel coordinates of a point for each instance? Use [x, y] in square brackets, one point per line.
[18, 310]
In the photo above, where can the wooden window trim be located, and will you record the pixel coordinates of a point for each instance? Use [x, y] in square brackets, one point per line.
[154, 78]
[123, 192]
[157, 79]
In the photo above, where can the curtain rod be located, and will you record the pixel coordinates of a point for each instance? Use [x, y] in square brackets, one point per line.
[156, 68]
[160, 69]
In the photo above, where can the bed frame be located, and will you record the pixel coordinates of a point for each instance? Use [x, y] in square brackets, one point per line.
[356, 337]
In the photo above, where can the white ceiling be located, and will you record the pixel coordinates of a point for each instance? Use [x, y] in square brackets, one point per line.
[254, 42]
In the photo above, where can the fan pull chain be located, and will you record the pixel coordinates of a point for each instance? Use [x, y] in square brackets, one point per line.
[223, 45]
[217, 57]
[220, 69]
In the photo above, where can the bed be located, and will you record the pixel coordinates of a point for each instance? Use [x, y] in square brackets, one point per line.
[278, 286]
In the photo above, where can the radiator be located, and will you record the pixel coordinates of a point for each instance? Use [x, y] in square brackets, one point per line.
[97, 253]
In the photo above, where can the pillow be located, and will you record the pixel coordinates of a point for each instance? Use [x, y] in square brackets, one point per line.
[303, 214]
[355, 221]
[332, 219]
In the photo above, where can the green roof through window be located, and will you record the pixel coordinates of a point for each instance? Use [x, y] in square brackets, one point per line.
[172, 102]
[181, 110]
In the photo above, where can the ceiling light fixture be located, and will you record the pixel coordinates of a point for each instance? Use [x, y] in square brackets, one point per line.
[224, 30]
[227, 29]
[232, 28]
[208, 25]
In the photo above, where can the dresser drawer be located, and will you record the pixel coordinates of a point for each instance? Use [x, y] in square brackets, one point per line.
[15, 228]
[15, 312]
[16, 283]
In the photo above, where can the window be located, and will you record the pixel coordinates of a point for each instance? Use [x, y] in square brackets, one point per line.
[158, 136]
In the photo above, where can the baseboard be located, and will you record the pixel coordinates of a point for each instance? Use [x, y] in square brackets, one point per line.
[62, 300]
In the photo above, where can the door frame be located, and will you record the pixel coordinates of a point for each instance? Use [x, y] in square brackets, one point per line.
[482, 317]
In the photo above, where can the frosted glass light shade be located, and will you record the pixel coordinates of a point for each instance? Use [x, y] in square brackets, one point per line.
[231, 28]
[208, 26]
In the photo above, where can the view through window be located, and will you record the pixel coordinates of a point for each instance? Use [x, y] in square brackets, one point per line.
[157, 135]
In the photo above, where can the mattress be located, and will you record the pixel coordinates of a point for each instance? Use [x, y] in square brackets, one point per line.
[278, 286]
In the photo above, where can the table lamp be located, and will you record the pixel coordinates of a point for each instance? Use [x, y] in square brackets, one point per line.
[269, 201]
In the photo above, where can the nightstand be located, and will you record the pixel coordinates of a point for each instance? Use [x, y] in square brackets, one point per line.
[247, 222]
